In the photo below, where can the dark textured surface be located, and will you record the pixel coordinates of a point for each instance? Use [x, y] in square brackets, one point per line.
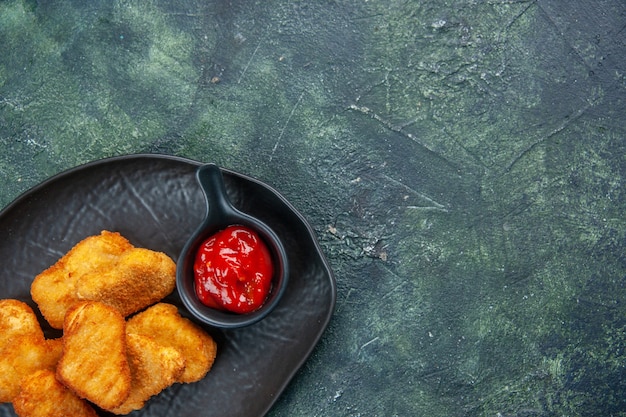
[461, 162]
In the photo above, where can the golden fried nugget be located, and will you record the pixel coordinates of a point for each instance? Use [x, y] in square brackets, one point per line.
[23, 348]
[54, 289]
[94, 363]
[166, 326]
[153, 368]
[41, 395]
[17, 318]
[22, 355]
[140, 278]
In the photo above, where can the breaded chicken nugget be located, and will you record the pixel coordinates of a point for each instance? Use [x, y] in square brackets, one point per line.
[22, 355]
[94, 363]
[23, 348]
[41, 395]
[54, 289]
[153, 368]
[17, 318]
[166, 326]
[140, 278]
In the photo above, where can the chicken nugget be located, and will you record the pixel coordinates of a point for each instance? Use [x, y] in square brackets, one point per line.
[22, 355]
[54, 289]
[166, 326]
[41, 395]
[17, 318]
[23, 348]
[140, 278]
[94, 363]
[153, 368]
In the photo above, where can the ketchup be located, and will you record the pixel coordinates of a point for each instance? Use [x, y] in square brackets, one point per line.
[233, 270]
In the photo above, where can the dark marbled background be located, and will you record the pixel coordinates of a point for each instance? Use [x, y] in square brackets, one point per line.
[462, 163]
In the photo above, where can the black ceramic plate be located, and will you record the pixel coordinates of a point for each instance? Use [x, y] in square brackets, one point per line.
[156, 203]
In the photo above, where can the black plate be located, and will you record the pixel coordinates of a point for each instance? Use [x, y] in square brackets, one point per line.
[155, 202]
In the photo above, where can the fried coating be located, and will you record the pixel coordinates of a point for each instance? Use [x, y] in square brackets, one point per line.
[17, 318]
[54, 289]
[94, 364]
[23, 348]
[105, 268]
[41, 395]
[54, 348]
[153, 368]
[140, 278]
[24, 355]
[166, 326]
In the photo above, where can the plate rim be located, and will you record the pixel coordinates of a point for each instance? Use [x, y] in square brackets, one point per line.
[146, 156]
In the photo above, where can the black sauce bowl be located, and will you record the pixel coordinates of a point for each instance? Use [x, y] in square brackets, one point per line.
[221, 214]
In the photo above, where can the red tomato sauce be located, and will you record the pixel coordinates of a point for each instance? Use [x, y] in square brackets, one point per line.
[233, 270]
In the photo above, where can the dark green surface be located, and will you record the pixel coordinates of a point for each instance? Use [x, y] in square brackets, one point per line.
[462, 162]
